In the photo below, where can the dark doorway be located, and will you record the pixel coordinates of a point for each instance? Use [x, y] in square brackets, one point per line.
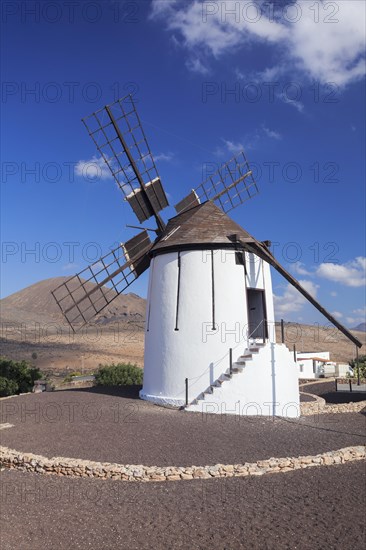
[257, 316]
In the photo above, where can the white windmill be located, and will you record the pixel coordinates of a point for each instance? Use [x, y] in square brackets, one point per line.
[210, 341]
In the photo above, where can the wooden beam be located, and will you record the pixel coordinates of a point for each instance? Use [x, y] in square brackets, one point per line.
[262, 251]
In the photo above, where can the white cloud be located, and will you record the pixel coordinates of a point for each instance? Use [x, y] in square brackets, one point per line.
[93, 169]
[337, 314]
[248, 142]
[334, 294]
[358, 316]
[162, 7]
[331, 50]
[270, 73]
[271, 133]
[291, 300]
[233, 147]
[167, 157]
[352, 273]
[360, 311]
[196, 66]
[324, 40]
[239, 75]
[70, 266]
[299, 269]
[295, 104]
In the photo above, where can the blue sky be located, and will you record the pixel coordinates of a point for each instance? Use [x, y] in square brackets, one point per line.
[284, 81]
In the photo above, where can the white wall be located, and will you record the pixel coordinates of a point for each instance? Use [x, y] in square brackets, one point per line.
[195, 351]
[255, 277]
[267, 386]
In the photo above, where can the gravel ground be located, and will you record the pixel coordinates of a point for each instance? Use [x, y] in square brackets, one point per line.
[327, 391]
[319, 508]
[115, 427]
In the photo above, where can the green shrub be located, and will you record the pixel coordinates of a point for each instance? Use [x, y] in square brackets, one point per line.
[19, 374]
[7, 387]
[122, 374]
[361, 365]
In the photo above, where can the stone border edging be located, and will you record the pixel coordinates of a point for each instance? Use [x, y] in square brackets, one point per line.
[308, 408]
[317, 381]
[344, 407]
[138, 473]
[312, 407]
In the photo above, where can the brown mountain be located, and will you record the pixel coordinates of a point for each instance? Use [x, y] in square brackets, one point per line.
[35, 303]
[361, 327]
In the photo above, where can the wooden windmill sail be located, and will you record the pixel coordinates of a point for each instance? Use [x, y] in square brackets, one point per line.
[201, 224]
[120, 139]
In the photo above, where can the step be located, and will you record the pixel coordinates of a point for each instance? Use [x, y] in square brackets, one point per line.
[245, 358]
[238, 369]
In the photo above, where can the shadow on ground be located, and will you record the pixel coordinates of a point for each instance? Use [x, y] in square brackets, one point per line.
[131, 392]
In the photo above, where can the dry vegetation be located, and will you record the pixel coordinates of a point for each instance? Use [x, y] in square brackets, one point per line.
[31, 324]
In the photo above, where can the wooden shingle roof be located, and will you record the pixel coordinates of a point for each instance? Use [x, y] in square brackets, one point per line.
[205, 224]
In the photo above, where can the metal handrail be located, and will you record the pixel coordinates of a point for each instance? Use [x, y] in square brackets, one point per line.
[230, 353]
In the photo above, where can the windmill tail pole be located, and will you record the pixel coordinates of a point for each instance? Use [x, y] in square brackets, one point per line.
[262, 251]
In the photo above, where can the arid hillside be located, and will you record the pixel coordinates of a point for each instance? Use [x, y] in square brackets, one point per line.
[35, 303]
[32, 325]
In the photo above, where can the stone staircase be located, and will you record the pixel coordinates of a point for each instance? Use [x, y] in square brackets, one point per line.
[226, 377]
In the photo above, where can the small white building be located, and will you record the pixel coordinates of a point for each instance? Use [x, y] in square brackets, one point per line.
[338, 370]
[317, 364]
[311, 363]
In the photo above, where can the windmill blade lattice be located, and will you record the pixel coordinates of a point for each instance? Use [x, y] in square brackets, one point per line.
[230, 186]
[87, 293]
[120, 139]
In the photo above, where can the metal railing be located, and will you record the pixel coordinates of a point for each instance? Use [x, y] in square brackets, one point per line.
[247, 340]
